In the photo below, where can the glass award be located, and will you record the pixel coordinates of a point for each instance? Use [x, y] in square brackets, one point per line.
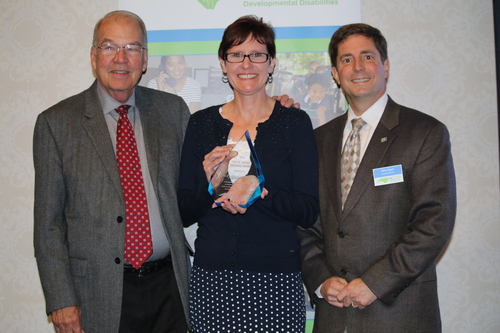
[241, 183]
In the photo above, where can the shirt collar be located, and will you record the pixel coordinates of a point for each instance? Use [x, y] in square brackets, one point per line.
[372, 115]
[109, 104]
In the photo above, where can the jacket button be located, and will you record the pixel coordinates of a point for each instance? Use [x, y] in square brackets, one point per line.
[117, 260]
[343, 271]
[341, 234]
[119, 219]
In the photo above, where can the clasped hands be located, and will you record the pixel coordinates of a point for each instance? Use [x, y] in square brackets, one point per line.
[337, 292]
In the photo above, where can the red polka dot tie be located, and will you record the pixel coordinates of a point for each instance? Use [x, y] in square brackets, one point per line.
[138, 243]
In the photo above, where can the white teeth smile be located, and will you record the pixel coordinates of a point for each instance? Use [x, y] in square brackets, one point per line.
[247, 76]
[360, 80]
[120, 72]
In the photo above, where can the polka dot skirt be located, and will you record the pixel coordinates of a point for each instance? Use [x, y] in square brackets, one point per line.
[239, 301]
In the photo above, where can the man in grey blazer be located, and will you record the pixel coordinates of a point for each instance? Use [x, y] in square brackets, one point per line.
[369, 264]
[79, 203]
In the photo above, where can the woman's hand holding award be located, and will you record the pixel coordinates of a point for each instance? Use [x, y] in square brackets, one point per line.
[240, 187]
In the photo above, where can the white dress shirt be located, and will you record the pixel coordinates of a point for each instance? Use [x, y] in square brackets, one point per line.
[371, 117]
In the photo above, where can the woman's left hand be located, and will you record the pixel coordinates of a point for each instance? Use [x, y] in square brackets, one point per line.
[231, 207]
[234, 208]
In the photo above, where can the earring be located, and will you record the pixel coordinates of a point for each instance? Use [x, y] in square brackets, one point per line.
[270, 78]
[224, 78]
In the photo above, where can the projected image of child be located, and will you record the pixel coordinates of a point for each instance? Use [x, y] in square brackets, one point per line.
[317, 102]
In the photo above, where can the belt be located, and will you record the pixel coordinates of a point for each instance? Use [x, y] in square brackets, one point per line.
[149, 267]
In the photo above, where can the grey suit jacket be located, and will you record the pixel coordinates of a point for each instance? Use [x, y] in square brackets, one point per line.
[390, 235]
[78, 233]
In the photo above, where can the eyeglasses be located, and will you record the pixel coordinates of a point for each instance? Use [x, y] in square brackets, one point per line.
[255, 57]
[131, 50]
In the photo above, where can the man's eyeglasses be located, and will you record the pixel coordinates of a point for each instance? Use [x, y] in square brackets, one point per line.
[131, 50]
[255, 57]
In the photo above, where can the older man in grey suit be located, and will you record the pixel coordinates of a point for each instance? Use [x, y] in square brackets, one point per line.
[387, 199]
[80, 209]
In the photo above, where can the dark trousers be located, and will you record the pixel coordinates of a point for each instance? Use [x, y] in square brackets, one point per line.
[151, 303]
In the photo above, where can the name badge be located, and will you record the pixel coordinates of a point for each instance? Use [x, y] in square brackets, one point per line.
[388, 175]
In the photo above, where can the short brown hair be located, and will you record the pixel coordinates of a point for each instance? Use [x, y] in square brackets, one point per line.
[362, 29]
[238, 32]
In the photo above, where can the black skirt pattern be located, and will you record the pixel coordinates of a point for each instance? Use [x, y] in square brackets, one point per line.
[247, 302]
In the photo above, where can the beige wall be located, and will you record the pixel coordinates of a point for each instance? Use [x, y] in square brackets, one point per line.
[442, 62]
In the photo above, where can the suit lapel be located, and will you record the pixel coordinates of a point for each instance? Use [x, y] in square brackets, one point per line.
[96, 127]
[149, 128]
[332, 151]
[377, 148]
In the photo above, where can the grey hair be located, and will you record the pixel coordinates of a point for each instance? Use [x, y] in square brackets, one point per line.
[122, 13]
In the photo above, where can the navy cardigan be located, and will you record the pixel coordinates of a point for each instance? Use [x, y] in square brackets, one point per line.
[263, 239]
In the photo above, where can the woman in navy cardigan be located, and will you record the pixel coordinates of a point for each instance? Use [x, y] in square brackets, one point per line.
[246, 273]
